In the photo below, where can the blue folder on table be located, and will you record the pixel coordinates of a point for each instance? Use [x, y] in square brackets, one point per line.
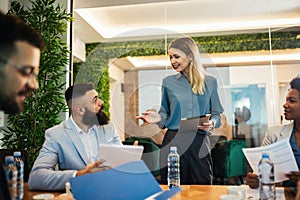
[132, 180]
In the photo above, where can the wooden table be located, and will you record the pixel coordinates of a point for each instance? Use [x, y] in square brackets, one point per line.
[205, 192]
[189, 192]
[210, 192]
[28, 194]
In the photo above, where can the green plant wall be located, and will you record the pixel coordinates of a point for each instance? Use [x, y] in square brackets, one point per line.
[95, 68]
[249, 42]
[42, 107]
[98, 54]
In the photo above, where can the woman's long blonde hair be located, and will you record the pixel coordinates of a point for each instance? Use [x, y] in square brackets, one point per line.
[196, 71]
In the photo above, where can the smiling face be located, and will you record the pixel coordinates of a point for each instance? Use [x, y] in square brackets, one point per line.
[179, 60]
[18, 77]
[292, 105]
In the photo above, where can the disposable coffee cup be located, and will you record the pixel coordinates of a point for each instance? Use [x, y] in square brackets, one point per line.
[46, 196]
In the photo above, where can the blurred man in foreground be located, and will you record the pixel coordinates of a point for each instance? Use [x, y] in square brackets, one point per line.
[20, 49]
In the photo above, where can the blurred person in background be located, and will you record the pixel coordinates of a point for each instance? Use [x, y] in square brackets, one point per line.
[224, 130]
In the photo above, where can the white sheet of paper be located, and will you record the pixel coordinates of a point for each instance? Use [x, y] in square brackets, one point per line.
[115, 155]
[281, 155]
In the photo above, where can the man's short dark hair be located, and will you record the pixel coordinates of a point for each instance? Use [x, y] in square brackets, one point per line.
[78, 90]
[295, 84]
[14, 29]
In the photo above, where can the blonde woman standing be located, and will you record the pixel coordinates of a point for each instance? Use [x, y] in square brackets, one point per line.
[189, 93]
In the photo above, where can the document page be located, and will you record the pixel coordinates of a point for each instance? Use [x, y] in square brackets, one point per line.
[115, 155]
[281, 155]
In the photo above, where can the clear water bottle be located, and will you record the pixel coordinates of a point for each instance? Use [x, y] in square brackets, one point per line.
[266, 178]
[20, 178]
[173, 168]
[11, 176]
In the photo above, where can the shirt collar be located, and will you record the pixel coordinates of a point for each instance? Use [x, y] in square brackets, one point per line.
[178, 76]
[78, 129]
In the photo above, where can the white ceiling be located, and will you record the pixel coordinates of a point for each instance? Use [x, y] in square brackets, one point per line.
[102, 20]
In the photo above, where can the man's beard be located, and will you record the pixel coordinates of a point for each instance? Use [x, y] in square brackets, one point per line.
[102, 118]
[90, 118]
[9, 106]
[7, 103]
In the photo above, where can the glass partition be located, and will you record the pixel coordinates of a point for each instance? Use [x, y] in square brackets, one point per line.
[253, 60]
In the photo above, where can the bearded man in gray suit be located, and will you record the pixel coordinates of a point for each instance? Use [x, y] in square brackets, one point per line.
[73, 144]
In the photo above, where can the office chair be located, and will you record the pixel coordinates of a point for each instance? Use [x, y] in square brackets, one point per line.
[229, 160]
[150, 154]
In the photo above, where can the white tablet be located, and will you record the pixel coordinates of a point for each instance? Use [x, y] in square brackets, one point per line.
[116, 155]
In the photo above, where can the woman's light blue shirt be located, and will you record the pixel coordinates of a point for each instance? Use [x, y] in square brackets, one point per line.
[179, 101]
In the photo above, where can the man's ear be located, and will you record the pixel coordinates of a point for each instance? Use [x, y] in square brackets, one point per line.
[80, 109]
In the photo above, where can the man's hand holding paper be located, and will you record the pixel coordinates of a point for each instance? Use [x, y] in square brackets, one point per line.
[93, 167]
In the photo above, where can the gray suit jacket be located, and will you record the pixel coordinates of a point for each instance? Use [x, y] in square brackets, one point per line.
[63, 146]
[276, 133]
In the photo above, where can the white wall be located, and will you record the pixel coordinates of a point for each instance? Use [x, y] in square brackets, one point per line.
[117, 99]
[78, 49]
[287, 72]
[4, 5]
